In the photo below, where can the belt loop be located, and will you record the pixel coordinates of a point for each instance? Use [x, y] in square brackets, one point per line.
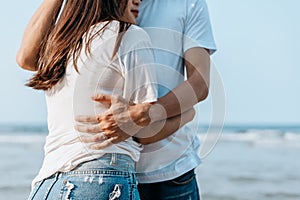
[113, 160]
[59, 174]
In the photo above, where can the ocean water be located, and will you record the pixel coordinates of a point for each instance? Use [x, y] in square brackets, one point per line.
[251, 163]
[247, 162]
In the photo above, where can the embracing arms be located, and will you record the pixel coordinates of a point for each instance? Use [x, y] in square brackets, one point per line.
[177, 104]
[159, 119]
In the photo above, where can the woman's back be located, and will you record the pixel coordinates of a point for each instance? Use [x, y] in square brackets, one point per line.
[129, 74]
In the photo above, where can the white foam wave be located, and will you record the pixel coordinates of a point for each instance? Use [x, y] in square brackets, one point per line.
[289, 136]
[259, 137]
[22, 139]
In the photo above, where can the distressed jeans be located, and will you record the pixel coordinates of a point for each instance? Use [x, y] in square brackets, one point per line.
[110, 177]
[183, 187]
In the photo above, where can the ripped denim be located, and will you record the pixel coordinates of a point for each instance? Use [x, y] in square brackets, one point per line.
[110, 177]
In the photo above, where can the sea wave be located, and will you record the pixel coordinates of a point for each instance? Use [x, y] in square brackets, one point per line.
[261, 135]
[257, 137]
[29, 129]
[287, 135]
[22, 139]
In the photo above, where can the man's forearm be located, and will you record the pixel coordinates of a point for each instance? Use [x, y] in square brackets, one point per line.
[162, 129]
[181, 99]
[38, 27]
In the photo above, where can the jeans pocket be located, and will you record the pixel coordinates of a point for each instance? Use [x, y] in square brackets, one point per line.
[184, 179]
[90, 186]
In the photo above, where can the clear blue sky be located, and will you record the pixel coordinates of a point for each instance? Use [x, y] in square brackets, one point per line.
[258, 59]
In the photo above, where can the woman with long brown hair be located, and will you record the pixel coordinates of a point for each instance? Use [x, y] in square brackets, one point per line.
[93, 47]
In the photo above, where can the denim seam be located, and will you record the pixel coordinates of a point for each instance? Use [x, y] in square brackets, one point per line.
[37, 187]
[51, 186]
[132, 185]
[100, 172]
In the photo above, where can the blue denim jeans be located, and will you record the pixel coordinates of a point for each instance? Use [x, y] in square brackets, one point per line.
[110, 177]
[183, 187]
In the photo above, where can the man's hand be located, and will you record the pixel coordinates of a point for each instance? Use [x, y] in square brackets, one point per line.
[124, 111]
[121, 121]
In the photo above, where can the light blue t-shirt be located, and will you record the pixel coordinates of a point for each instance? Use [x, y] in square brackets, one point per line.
[174, 26]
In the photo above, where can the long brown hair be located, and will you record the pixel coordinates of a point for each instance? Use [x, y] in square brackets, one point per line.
[65, 40]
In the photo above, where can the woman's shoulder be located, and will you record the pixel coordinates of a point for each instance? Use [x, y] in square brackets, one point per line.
[134, 38]
[107, 25]
[113, 26]
[136, 34]
[135, 27]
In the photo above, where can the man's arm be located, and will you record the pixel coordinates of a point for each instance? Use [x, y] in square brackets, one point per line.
[147, 135]
[179, 100]
[191, 91]
[162, 129]
[182, 98]
[37, 29]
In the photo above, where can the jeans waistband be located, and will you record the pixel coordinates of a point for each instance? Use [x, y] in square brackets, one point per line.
[109, 161]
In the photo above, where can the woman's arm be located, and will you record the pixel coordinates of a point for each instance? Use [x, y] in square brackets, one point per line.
[38, 27]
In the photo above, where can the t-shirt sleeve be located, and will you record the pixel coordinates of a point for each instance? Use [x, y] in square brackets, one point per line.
[198, 31]
[139, 68]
